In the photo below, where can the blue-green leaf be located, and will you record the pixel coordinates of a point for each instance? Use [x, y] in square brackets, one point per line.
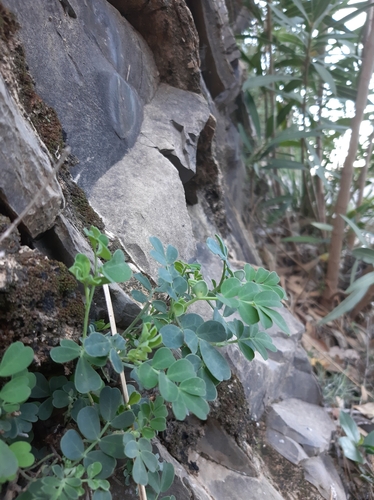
[163, 359]
[96, 345]
[191, 339]
[123, 420]
[147, 375]
[212, 331]
[86, 379]
[168, 390]
[196, 405]
[72, 445]
[180, 370]
[144, 281]
[215, 362]
[89, 423]
[8, 462]
[110, 400]
[108, 463]
[139, 472]
[191, 321]
[172, 336]
[16, 358]
[68, 351]
[167, 476]
[112, 445]
[349, 426]
[194, 386]
[116, 270]
[171, 254]
[350, 450]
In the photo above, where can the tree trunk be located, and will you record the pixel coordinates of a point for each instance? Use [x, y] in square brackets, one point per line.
[364, 171]
[347, 171]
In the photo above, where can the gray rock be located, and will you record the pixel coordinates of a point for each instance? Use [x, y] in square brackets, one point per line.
[218, 50]
[125, 310]
[95, 71]
[63, 242]
[25, 170]
[262, 380]
[169, 30]
[225, 484]
[172, 124]
[307, 424]
[223, 450]
[142, 196]
[286, 446]
[301, 385]
[321, 472]
[186, 486]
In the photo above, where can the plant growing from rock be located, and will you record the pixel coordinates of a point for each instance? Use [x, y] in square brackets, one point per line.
[355, 446]
[173, 357]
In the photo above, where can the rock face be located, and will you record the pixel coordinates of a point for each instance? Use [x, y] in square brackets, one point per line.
[95, 71]
[148, 94]
[25, 170]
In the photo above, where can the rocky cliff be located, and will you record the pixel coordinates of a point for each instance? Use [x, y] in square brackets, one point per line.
[147, 94]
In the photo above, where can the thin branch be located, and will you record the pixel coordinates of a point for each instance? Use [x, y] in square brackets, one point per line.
[65, 153]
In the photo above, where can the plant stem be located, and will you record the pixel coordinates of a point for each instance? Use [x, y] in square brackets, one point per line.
[92, 445]
[196, 299]
[222, 278]
[47, 457]
[88, 292]
[138, 317]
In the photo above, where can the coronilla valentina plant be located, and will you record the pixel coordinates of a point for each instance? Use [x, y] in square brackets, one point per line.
[174, 358]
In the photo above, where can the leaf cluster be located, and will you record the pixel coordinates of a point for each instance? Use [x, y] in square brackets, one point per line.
[172, 352]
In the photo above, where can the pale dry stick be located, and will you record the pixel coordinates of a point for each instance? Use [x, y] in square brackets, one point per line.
[113, 328]
[65, 153]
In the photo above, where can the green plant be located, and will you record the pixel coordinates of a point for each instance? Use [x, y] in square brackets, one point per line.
[16, 416]
[354, 445]
[105, 426]
[358, 288]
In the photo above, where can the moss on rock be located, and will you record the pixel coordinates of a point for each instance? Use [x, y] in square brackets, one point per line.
[39, 303]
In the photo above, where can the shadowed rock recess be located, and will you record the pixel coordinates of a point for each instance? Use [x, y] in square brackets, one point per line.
[147, 94]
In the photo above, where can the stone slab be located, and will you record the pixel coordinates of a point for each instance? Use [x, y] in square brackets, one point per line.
[307, 424]
[321, 472]
[225, 484]
[142, 196]
[221, 448]
[25, 170]
[287, 447]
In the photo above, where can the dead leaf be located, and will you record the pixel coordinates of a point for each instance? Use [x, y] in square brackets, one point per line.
[366, 409]
[364, 394]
